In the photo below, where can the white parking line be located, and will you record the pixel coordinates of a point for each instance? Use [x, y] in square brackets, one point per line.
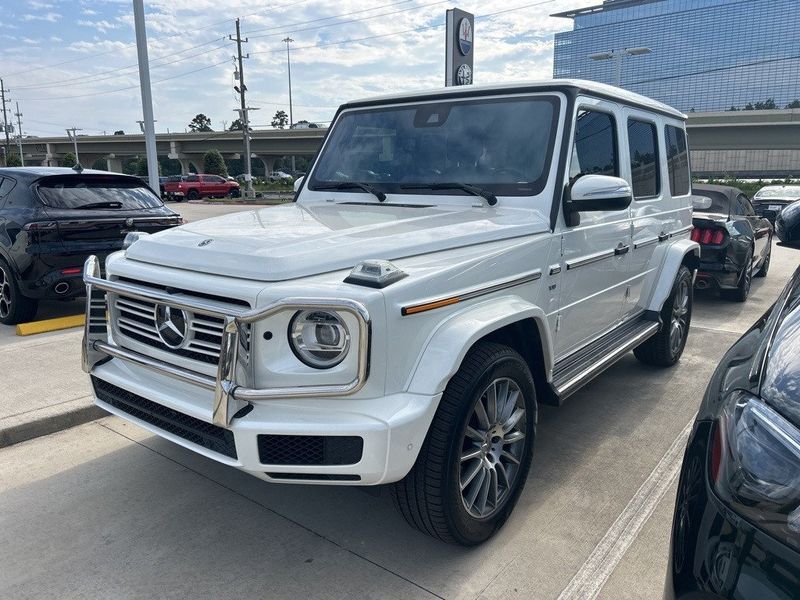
[592, 576]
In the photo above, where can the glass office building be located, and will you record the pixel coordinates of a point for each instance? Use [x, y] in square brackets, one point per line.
[706, 55]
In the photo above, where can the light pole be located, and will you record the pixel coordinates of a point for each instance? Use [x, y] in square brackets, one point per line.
[148, 128]
[19, 135]
[288, 41]
[618, 56]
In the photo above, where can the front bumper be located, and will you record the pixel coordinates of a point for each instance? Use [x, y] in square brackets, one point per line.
[225, 419]
[392, 428]
[715, 553]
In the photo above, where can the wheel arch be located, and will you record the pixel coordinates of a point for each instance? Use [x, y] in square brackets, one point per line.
[510, 320]
[683, 252]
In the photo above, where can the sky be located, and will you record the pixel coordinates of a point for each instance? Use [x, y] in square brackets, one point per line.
[73, 63]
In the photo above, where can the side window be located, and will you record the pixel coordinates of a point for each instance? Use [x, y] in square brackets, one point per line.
[6, 185]
[595, 147]
[643, 145]
[743, 206]
[677, 160]
[192, 178]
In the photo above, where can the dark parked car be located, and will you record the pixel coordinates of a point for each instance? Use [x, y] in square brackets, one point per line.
[787, 225]
[736, 528]
[735, 243]
[52, 219]
[770, 200]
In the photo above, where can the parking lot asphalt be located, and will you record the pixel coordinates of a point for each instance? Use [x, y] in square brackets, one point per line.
[108, 510]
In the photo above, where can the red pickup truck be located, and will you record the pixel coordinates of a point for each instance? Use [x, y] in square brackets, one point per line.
[193, 187]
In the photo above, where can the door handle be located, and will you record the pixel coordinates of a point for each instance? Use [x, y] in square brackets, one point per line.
[621, 249]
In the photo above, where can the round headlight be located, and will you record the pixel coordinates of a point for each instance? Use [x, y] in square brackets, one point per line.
[319, 338]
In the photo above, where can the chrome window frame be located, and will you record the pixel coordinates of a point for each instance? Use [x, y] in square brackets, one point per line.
[96, 348]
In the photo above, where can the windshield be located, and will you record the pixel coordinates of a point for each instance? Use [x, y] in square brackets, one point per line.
[788, 192]
[74, 191]
[719, 202]
[500, 145]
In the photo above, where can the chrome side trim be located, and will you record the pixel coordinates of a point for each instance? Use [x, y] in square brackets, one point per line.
[686, 229]
[595, 368]
[470, 294]
[645, 242]
[591, 258]
[224, 385]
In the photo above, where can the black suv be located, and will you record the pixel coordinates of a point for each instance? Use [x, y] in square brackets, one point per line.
[51, 219]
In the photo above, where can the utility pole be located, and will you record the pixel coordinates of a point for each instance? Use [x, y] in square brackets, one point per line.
[147, 97]
[242, 88]
[19, 134]
[74, 137]
[288, 41]
[3, 91]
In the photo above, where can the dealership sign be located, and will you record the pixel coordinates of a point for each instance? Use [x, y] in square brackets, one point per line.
[459, 47]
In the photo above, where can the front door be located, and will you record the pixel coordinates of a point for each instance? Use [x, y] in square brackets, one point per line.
[594, 252]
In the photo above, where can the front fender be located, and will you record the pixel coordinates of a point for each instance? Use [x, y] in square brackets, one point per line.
[674, 255]
[447, 345]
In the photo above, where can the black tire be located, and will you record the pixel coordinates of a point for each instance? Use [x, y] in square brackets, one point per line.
[664, 349]
[14, 307]
[742, 290]
[234, 193]
[430, 497]
[192, 195]
[762, 272]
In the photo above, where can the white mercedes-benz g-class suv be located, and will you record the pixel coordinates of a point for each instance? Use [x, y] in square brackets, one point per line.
[453, 259]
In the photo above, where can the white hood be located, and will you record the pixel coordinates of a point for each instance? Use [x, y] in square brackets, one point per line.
[299, 240]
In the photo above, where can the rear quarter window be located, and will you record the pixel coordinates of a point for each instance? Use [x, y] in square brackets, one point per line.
[84, 192]
[677, 160]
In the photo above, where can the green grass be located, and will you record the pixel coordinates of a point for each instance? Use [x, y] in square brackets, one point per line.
[749, 187]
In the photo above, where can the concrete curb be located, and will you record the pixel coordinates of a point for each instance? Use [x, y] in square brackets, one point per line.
[44, 421]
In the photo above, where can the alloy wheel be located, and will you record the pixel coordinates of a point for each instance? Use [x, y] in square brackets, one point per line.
[492, 448]
[680, 312]
[5, 293]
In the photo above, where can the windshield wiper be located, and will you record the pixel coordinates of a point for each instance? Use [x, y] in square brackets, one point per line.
[100, 205]
[490, 198]
[349, 185]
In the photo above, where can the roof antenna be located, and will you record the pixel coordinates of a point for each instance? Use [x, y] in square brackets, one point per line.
[78, 168]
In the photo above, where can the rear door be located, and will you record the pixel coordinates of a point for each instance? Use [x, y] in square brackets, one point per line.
[761, 226]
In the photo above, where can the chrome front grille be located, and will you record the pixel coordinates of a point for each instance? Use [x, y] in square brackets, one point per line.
[137, 320]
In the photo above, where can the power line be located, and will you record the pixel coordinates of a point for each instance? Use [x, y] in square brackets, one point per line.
[130, 87]
[414, 30]
[98, 76]
[133, 44]
[386, 14]
[348, 14]
[715, 70]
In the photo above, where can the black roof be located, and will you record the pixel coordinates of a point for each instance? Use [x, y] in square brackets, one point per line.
[726, 190]
[32, 173]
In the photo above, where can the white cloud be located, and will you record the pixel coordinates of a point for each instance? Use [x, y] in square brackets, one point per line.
[37, 5]
[88, 12]
[50, 17]
[102, 25]
[56, 39]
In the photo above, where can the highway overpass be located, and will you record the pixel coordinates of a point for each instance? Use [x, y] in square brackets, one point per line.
[746, 144]
[187, 148]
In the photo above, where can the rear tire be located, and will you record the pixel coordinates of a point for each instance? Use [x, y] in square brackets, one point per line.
[474, 462]
[742, 290]
[14, 307]
[664, 349]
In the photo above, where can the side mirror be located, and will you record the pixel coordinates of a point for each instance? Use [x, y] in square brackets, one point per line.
[297, 183]
[596, 192]
[787, 224]
[701, 202]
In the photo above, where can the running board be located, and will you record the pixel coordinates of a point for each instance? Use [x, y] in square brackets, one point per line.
[576, 370]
